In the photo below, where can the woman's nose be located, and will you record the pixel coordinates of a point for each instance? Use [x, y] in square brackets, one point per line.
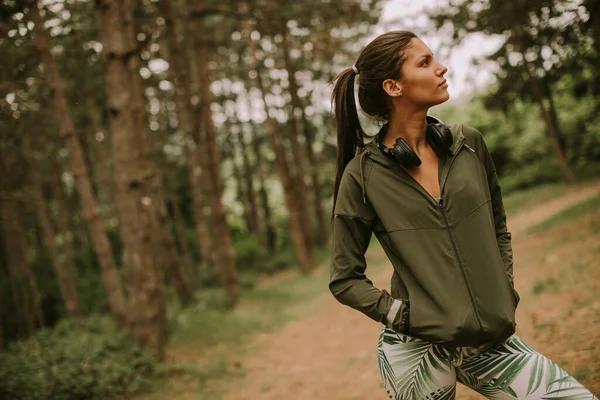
[441, 69]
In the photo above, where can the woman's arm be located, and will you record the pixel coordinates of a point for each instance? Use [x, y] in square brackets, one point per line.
[352, 228]
[503, 236]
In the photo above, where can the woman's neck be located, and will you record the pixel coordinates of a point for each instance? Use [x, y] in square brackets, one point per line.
[410, 127]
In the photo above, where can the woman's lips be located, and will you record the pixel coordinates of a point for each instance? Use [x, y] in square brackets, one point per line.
[443, 84]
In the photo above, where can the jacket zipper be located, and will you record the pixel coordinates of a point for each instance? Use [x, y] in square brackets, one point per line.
[447, 226]
[460, 264]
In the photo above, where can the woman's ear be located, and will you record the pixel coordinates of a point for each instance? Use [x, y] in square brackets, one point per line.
[392, 87]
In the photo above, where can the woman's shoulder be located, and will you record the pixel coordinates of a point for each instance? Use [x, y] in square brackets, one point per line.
[353, 168]
[469, 132]
[472, 135]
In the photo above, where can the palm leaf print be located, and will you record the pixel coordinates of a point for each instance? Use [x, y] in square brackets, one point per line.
[420, 360]
[567, 388]
[387, 372]
[543, 369]
[480, 387]
[445, 393]
[500, 366]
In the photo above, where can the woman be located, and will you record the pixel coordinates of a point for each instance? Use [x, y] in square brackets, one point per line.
[430, 194]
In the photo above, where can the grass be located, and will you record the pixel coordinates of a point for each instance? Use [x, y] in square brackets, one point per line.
[572, 213]
[523, 200]
[263, 308]
[550, 284]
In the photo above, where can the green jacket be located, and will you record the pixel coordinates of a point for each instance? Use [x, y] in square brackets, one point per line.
[452, 281]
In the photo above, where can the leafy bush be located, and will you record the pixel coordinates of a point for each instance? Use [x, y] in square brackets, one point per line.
[249, 253]
[77, 359]
[533, 174]
[253, 259]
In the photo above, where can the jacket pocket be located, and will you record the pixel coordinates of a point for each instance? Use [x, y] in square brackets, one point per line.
[515, 295]
[400, 322]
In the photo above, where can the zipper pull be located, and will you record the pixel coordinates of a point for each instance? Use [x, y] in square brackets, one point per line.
[441, 203]
[469, 147]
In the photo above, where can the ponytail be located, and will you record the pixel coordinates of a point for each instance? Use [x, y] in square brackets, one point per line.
[349, 132]
[380, 60]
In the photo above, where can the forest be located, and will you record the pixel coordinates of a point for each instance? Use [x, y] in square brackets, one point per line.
[160, 158]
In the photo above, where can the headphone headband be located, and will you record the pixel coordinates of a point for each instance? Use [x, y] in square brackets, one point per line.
[439, 137]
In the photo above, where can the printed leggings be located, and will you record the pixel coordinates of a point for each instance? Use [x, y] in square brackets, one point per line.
[414, 369]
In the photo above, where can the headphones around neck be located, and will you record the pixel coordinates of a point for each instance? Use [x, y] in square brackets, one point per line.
[438, 136]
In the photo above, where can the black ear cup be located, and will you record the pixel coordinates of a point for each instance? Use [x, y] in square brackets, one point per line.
[439, 137]
[404, 154]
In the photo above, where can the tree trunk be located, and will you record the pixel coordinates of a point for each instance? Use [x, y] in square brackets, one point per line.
[24, 316]
[168, 257]
[281, 164]
[288, 188]
[190, 274]
[551, 127]
[316, 184]
[110, 275]
[183, 98]
[104, 169]
[244, 191]
[249, 181]
[270, 236]
[300, 184]
[553, 114]
[67, 292]
[269, 230]
[182, 285]
[210, 161]
[181, 280]
[208, 250]
[138, 201]
[27, 296]
[65, 229]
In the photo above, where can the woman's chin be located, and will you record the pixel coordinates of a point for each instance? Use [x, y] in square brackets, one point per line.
[442, 98]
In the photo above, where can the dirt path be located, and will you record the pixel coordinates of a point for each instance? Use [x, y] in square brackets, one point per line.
[331, 354]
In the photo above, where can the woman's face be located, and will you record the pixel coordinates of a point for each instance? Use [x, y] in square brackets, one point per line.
[422, 82]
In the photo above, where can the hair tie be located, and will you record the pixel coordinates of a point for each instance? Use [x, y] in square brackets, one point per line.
[355, 69]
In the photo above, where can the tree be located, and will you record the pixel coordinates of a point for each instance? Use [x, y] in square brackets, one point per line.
[209, 154]
[180, 73]
[110, 275]
[138, 201]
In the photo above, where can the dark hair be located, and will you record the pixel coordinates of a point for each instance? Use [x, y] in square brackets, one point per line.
[380, 60]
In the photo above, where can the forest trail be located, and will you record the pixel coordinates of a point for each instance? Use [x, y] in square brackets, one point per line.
[331, 354]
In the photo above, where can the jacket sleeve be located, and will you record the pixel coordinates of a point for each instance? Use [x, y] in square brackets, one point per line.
[352, 228]
[503, 236]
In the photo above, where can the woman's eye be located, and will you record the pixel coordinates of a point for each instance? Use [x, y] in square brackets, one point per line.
[425, 62]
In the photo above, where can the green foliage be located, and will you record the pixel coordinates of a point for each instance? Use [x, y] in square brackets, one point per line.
[77, 359]
[550, 284]
[542, 171]
[253, 259]
[249, 253]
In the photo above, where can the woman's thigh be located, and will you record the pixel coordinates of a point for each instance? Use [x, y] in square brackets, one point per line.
[513, 370]
[414, 369]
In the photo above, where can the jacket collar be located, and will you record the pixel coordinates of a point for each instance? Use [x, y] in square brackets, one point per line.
[377, 155]
[373, 151]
